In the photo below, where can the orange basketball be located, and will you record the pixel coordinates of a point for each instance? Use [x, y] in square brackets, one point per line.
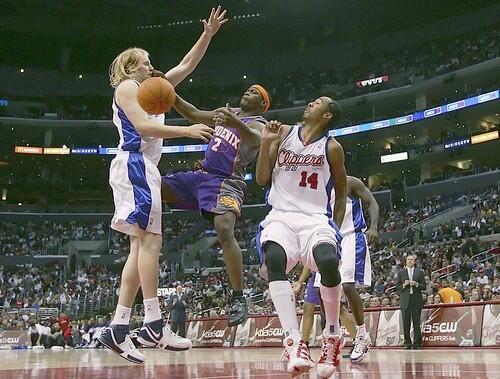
[156, 95]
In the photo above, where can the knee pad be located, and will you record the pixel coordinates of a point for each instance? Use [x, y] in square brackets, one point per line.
[275, 261]
[326, 259]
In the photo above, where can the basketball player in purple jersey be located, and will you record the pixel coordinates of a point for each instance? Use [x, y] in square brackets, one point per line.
[217, 190]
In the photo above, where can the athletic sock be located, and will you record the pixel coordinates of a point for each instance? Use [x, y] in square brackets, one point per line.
[151, 310]
[284, 301]
[331, 302]
[122, 315]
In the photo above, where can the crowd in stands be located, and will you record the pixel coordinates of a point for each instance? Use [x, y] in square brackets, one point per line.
[452, 255]
[433, 57]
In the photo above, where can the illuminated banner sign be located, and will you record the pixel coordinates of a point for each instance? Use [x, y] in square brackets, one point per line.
[485, 137]
[394, 157]
[417, 116]
[372, 81]
[28, 150]
[165, 149]
[4, 102]
[84, 150]
[457, 144]
[56, 150]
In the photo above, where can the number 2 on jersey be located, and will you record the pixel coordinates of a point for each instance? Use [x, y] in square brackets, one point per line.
[312, 180]
[215, 146]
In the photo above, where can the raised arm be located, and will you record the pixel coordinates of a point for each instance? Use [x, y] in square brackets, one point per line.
[126, 98]
[250, 133]
[194, 56]
[337, 170]
[193, 114]
[358, 188]
[271, 138]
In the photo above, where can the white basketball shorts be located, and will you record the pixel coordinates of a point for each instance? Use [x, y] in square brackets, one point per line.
[136, 184]
[298, 234]
[356, 264]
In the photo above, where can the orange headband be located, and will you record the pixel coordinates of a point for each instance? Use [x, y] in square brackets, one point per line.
[264, 94]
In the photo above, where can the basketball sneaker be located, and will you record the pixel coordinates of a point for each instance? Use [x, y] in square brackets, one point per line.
[117, 339]
[238, 311]
[299, 357]
[157, 334]
[362, 346]
[330, 355]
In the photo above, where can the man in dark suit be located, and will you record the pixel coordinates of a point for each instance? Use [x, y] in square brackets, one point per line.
[410, 283]
[178, 311]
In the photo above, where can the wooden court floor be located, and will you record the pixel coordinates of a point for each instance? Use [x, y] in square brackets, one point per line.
[256, 363]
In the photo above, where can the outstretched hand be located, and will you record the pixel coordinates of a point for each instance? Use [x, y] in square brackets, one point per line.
[215, 21]
[225, 116]
[272, 131]
[200, 131]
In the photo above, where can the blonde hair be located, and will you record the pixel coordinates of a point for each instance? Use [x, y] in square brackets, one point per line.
[125, 65]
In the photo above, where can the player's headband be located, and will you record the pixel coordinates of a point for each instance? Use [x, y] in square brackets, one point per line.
[264, 94]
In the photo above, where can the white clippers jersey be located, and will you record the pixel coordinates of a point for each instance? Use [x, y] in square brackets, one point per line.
[354, 221]
[301, 180]
[130, 140]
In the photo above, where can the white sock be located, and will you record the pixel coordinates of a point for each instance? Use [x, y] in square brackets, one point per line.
[284, 301]
[151, 310]
[361, 330]
[122, 315]
[331, 302]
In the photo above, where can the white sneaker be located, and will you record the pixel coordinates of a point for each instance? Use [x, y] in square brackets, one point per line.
[362, 346]
[117, 338]
[299, 357]
[330, 355]
[157, 334]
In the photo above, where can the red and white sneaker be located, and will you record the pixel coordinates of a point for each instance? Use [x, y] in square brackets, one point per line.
[330, 355]
[299, 358]
[285, 356]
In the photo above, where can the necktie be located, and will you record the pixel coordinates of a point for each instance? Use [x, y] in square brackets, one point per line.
[410, 275]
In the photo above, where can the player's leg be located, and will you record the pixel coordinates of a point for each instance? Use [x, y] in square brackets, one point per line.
[178, 190]
[347, 322]
[283, 298]
[356, 270]
[117, 336]
[327, 262]
[224, 226]
[311, 300]
[222, 198]
[154, 332]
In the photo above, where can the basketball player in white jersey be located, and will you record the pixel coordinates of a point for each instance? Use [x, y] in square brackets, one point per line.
[356, 269]
[136, 184]
[303, 165]
[356, 265]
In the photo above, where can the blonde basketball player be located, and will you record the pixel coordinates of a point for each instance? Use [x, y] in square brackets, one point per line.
[136, 182]
[304, 165]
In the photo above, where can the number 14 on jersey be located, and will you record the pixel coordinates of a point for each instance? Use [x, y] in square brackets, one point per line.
[306, 179]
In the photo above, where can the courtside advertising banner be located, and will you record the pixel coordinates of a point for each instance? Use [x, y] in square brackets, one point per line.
[491, 325]
[447, 326]
[371, 323]
[215, 333]
[390, 329]
[14, 338]
[453, 326]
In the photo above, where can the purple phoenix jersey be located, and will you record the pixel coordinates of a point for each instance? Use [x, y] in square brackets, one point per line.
[227, 154]
[219, 187]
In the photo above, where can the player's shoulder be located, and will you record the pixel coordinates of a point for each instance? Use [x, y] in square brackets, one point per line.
[126, 87]
[334, 147]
